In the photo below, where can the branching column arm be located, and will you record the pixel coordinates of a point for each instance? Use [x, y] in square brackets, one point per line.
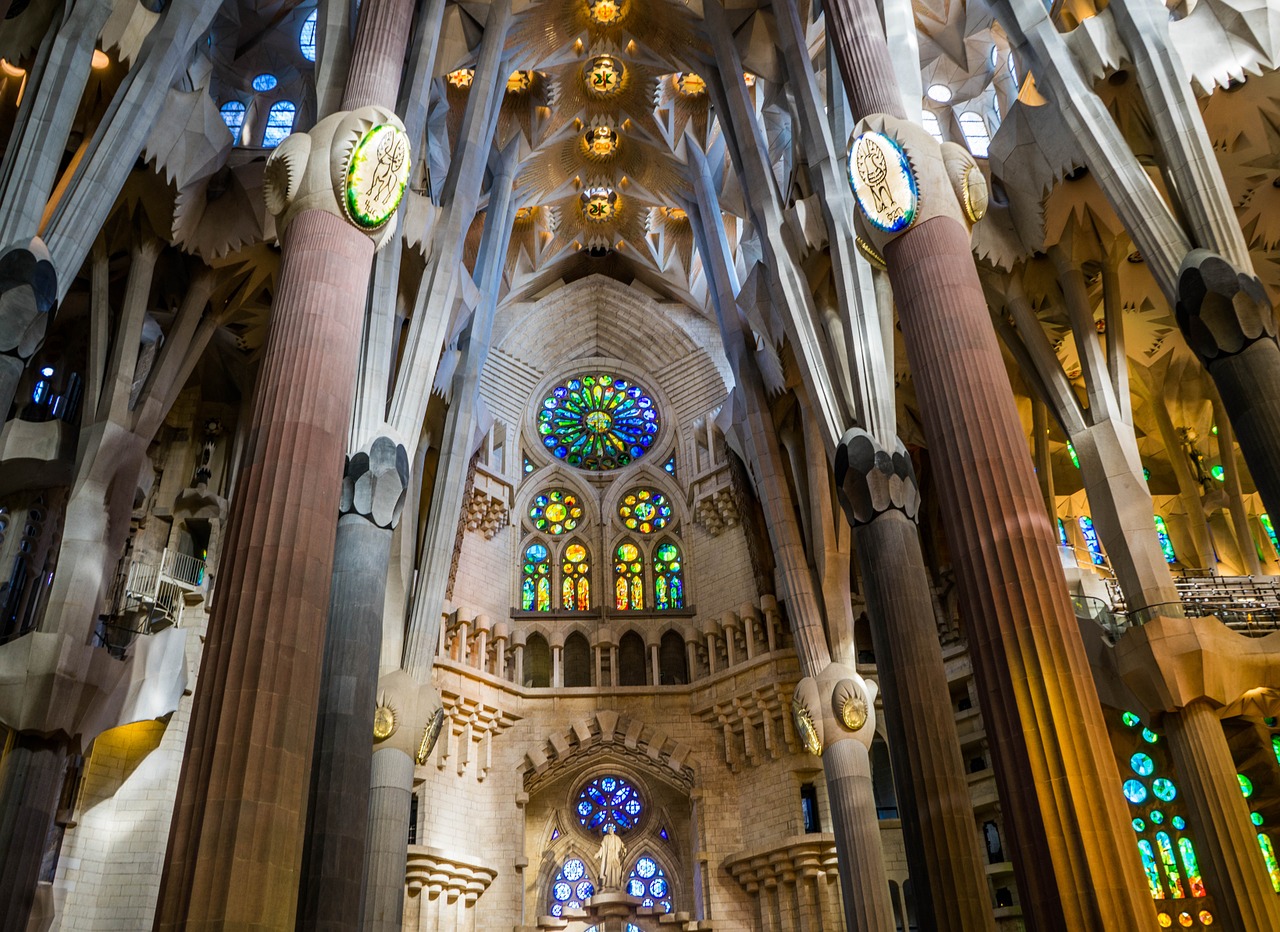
[1113, 318]
[185, 342]
[1097, 378]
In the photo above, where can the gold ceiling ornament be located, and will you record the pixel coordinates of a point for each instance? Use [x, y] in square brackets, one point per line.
[689, 84]
[384, 721]
[608, 12]
[676, 214]
[519, 82]
[805, 702]
[807, 731]
[604, 76]
[524, 213]
[748, 79]
[462, 78]
[599, 205]
[430, 735]
[600, 142]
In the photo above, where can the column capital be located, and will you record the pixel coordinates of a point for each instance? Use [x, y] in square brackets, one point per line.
[1221, 310]
[835, 705]
[870, 480]
[353, 164]
[375, 482]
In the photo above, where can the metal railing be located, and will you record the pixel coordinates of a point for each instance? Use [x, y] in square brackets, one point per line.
[1243, 603]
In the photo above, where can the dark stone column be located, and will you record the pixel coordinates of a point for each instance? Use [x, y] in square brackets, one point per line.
[1231, 327]
[390, 802]
[31, 776]
[330, 893]
[879, 495]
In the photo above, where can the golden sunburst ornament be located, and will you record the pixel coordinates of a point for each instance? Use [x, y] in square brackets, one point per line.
[608, 12]
[599, 204]
[690, 84]
[430, 735]
[675, 213]
[384, 721]
[519, 82]
[604, 75]
[461, 78]
[600, 142]
[853, 712]
[806, 730]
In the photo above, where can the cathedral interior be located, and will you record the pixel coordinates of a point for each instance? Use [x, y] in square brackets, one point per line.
[639, 465]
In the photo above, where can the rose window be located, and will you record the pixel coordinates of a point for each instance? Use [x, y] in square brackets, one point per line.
[598, 422]
[609, 801]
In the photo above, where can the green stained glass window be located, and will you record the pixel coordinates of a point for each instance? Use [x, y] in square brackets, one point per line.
[1246, 785]
[1191, 866]
[535, 583]
[1269, 859]
[1149, 736]
[1171, 873]
[628, 578]
[1164, 789]
[1139, 825]
[1142, 764]
[598, 422]
[1166, 545]
[668, 577]
[555, 511]
[644, 510]
[1149, 868]
[1130, 719]
[1275, 746]
[1265, 520]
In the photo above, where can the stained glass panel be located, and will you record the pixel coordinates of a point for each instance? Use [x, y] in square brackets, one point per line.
[609, 801]
[668, 577]
[571, 888]
[598, 422]
[555, 511]
[535, 584]
[575, 578]
[628, 578]
[648, 882]
[1166, 545]
[644, 510]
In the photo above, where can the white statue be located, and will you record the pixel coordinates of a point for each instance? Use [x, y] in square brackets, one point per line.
[610, 856]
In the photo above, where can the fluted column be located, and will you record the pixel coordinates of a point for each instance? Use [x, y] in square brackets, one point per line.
[374, 490]
[389, 807]
[1076, 867]
[847, 767]
[236, 842]
[1227, 848]
[880, 498]
[31, 775]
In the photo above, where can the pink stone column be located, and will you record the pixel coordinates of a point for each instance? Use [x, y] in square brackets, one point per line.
[235, 846]
[1076, 865]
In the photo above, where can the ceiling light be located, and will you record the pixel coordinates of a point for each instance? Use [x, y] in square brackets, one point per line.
[599, 204]
[690, 84]
[461, 78]
[607, 12]
[100, 60]
[939, 93]
[519, 81]
[604, 75]
[601, 141]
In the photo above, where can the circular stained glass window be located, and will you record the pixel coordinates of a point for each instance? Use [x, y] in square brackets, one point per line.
[1142, 765]
[1255, 818]
[1130, 719]
[1246, 785]
[648, 882]
[1149, 736]
[609, 801]
[1165, 920]
[1179, 822]
[1185, 920]
[265, 82]
[598, 422]
[1164, 789]
[1206, 917]
[1139, 825]
[1156, 816]
[555, 511]
[644, 510]
[571, 888]
[1135, 792]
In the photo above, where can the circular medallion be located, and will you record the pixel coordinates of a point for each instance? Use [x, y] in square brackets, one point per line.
[598, 206]
[882, 182]
[430, 735]
[598, 422]
[604, 75]
[607, 12]
[806, 730]
[384, 722]
[376, 175]
[853, 712]
[600, 142]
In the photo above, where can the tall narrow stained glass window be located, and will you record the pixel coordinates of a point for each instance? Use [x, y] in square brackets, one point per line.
[1166, 545]
[575, 578]
[1091, 540]
[535, 584]
[628, 582]
[668, 577]
[1265, 520]
[279, 123]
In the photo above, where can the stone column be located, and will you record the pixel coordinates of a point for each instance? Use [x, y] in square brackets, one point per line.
[1235, 500]
[1219, 815]
[557, 666]
[1076, 864]
[501, 635]
[373, 494]
[517, 644]
[879, 495]
[655, 668]
[853, 806]
[235, 846]
[389, 808]
[613, 664]
[31, 776]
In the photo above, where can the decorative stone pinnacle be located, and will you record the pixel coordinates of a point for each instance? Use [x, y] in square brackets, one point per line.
[1220, 311]
[376, 482]
[871, 481]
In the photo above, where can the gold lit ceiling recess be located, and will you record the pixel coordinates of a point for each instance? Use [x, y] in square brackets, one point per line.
[600, 142]
[674, 213]
[690, 85]
[604, 75]
[519, 82]
[599, 205]
[608, 12]
[461, 78]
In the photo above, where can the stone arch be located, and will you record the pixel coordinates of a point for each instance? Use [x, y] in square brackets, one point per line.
[673, 662]
[632, 659]
[882, 787]
[576, 660]
[537, 661]
[609, 735]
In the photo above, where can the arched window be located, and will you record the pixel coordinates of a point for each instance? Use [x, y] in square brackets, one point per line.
[233, 115]
[571, 887]
[628, 574]
[535, 584]
[1091, 540]
[930, 122]
[279, 123]
[976, 133]
[537, 662]
[668, 577]
[644, 510]
[672, 661]
[307, 37]
[577, 661]
[648, 881]
[882, 780]
[1166, 545]
[575, 578]
[631, 660]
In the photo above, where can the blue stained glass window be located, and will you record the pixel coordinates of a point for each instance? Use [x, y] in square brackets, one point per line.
[668, 577]
[1062, 534]
[265, 82]
[1091, 540]
[527, 466]
[307, 37]
[279, 123]
[571, 888]
[609, 801]
[1164, 789]
[1135, 792]
[670, 464]
[648, 882]
[598, 422]
[1142, 764]
[233, 115]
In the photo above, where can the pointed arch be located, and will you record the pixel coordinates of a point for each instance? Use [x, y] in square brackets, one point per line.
[668, 575]
[537, 661]
[575, 576]
[535, 576]
[673, 663]
[628, 577]
[576, 660]
[631, 660]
